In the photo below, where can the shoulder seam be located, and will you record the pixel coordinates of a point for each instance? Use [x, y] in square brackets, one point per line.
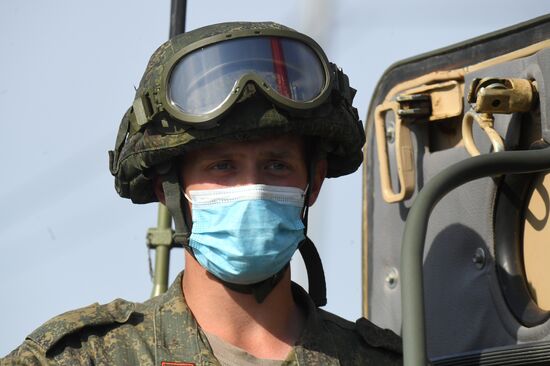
[338, 320]
[51, 332]
[377, 337]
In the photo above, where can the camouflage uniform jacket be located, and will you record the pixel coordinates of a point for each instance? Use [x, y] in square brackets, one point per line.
[163, 331]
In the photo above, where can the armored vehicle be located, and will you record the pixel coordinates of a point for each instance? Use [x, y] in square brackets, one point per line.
[456, 232]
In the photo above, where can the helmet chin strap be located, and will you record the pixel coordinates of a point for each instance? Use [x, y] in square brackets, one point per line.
[176, 202]
[261, 289]
[314, 267]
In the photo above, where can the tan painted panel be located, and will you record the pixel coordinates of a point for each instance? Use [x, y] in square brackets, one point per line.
[536, 243]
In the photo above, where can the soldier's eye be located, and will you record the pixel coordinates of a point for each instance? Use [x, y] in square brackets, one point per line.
[221, 165]
[277, 166]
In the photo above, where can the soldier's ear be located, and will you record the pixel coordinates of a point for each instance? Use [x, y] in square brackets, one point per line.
[159, 192]
[317, 180]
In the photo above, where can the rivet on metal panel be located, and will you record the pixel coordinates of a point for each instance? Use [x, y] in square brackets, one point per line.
[479, 258]
[392, 278]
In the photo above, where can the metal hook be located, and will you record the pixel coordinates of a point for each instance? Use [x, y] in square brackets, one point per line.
[485, 121]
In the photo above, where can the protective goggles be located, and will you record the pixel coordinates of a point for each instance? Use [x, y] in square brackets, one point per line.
[202, 81]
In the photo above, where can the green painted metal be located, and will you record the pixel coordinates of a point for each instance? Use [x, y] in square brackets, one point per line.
[162, 253]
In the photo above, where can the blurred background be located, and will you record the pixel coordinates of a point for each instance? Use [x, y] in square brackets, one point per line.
[67, 74]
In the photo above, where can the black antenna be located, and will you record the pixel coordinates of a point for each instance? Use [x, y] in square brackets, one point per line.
[178, 11]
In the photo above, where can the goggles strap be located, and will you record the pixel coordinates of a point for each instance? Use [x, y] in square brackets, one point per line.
[341, 84]
[144, 110]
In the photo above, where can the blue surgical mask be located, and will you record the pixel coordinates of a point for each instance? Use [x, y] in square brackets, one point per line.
[246, 234]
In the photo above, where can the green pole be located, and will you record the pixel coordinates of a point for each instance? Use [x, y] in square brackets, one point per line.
[161, 239]
[414, 236]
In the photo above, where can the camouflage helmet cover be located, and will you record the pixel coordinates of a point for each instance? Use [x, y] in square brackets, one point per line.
[334, 124]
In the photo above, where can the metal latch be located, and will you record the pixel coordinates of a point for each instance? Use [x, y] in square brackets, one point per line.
[430, 102]
[494, 95]
[434, 101]
[414, 105]
[500, 95]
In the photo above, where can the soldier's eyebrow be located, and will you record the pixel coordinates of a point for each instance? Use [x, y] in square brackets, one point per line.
[218, 154]
[279, 154]
[268, 154]
[284, 150]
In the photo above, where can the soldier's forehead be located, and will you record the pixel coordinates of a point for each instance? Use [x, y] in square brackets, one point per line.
[282, 145]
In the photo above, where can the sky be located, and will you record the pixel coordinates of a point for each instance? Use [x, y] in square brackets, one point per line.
[68, 72]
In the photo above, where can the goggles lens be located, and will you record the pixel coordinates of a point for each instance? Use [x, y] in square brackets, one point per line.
[202, 80]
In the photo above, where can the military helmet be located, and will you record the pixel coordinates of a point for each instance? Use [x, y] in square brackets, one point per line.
[234, 81]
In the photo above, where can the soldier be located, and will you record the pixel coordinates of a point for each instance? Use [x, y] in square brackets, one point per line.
[234, 127]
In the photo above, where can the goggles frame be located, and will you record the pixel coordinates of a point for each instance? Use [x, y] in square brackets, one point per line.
[152, 104]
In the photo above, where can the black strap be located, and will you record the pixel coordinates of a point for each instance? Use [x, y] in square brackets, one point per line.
[173, 198]
[261, 289]
[310, 255]
[315, 272]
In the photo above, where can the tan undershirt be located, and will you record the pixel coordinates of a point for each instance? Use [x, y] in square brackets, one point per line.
[229, 355]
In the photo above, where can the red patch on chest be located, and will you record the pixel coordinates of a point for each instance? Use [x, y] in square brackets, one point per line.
[166, 363]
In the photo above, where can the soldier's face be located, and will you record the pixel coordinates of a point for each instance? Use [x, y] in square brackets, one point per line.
[278, 161]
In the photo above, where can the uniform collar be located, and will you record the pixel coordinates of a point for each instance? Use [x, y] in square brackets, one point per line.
[315, 343]
[172, 315]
